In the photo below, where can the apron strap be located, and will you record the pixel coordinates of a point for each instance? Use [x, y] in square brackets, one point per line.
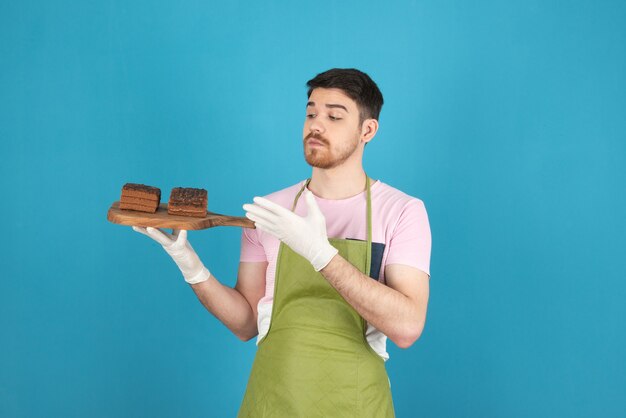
[368, 216]
[295, 201]
[368, 251]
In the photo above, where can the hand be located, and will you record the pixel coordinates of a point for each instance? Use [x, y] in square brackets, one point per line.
[177, 246]
[306, 236]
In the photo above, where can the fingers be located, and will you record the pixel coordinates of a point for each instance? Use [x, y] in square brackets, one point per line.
[261, 223]
[154, 233]
[264, 219]
[159, 236]
[267, 227]
[177, 239]
[258, 212]
[270, 206]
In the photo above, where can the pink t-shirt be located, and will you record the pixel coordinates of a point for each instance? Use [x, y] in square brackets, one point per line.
[400, 235]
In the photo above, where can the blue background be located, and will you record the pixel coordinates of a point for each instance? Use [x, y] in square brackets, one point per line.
[506, 118]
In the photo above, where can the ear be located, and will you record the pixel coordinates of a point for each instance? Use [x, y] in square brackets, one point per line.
[368, 130]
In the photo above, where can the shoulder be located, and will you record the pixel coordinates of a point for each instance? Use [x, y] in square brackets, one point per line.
[395, 200]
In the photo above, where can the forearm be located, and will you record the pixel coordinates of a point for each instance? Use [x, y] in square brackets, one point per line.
[229, 306]
[391, 312]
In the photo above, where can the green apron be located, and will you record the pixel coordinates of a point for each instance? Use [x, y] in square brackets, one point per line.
[315, 360]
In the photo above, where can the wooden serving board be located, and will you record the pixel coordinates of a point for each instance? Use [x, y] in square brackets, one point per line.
[161, 219]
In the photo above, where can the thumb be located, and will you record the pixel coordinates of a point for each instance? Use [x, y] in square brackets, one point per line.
[181, 236]
[159, 236]
[178, 243]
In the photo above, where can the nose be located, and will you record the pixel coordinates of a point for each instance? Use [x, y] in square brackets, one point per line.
[316, 126]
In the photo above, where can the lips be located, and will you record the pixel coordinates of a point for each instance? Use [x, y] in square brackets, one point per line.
[315, 141]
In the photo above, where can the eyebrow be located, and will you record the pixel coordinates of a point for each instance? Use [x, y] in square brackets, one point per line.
[330, 106]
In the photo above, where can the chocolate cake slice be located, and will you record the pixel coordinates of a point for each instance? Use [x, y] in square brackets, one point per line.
[140, 197]
[186, 201]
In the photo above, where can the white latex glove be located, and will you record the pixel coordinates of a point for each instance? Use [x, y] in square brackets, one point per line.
[306, 236]
[177, 246]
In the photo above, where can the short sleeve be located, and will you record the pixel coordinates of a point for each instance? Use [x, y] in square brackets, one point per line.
[251, 248]
[410, 243]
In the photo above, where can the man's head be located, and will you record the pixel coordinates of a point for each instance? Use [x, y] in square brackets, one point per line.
[356, 85]
[341, 117]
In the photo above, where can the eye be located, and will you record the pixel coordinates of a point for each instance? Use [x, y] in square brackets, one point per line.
[310, 115]
[331, 117]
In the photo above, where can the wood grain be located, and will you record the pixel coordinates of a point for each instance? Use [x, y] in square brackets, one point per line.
[161, 219]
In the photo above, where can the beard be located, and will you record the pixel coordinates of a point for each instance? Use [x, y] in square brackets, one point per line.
[327, 157]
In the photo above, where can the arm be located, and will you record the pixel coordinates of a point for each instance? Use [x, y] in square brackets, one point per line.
[397, 310]
[234, 307]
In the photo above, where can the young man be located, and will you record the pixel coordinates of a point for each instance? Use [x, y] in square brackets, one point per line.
[336, 265]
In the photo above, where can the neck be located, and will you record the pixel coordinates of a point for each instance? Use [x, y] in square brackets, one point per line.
[337, 183]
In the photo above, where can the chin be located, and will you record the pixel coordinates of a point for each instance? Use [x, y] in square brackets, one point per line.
[321, 163]
[317, 161]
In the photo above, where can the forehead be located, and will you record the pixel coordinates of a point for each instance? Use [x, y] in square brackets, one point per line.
[322, 96]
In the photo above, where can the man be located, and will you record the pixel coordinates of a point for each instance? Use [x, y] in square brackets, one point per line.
[323, 307]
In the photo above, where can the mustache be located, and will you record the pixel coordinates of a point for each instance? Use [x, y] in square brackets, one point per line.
[317, 137]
